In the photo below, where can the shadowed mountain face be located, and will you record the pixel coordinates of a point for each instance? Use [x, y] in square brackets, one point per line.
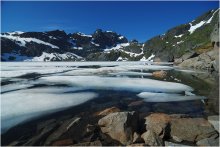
[192, 38]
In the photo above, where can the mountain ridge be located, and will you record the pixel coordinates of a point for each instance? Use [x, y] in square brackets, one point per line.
[102, 45]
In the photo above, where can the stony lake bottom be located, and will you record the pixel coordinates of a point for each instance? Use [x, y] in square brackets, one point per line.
[33, 93]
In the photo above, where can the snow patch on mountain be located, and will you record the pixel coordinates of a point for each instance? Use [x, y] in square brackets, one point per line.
[210, 19]
[15, 33]
[179, 42]
[78, 48]
[122, 59]
[84, 35]
[178, 36]
[95, 43]
[148, 59]
[201, 23]
[193, 28]
[121, 37]
[50, 56]
[22, 41]
[117, 47]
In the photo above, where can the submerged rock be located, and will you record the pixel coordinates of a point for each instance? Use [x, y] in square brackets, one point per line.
[94, 143]
[159, 74]
[120, 126]
[108, 111]
[167, 143]
[152, 139]
[214, 120]
[66, 125]
[212, 141]
[137, 138]
[63, 142]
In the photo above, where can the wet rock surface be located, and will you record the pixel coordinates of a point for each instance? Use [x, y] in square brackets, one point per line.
[151, 138]
[120, 126]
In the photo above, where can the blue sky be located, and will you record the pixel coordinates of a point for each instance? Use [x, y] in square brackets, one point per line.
[139, 20]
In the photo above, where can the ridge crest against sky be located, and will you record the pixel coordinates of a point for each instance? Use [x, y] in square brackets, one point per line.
[135, 20]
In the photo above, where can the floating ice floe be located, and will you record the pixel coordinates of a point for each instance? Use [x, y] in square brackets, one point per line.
[165, 97]
[17, 73]
[22, 105]
[92, 71]
[146, 67]
[14, 86]
[131, 84]
[130, 73]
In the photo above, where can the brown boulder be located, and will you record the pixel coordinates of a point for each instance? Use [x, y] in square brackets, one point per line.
[120, 126]
[158, 123]
[191, 129]
[179, 128]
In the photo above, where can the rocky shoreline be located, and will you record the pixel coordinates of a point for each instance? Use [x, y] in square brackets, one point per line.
[124, 121]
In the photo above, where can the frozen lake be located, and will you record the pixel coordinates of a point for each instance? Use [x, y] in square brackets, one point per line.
[33, 89]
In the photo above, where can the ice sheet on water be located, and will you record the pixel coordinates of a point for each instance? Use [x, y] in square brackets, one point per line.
[147, 67]
[166, 97]
[92, 71]
[22, 105]
[131, 84]
[40, 70]
[14, 86]
[130, 73]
